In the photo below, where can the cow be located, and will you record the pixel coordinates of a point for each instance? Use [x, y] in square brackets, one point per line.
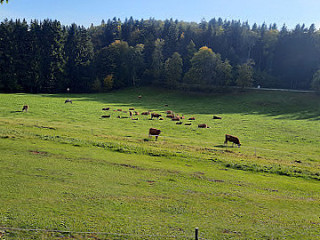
[25, 108]
[139, 96]
[106, 109]
[233, 139]
[178, 123]
[169, 112]
[105, 116]
[145, 113]
[68, 100]
[131, 109]
[154, 132]
[170, 116]
[119, 110]
[216, 117]
[187, 124]
[203, 125]
[156, 115]
[192, 118]
[136, 113]
[130, 113]
[175, 119]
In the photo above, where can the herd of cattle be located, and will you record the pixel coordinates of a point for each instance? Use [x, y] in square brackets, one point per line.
[169, 114]
[153, 131]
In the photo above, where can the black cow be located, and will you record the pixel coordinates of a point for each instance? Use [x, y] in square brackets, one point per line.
[156, 115]
[25, 108]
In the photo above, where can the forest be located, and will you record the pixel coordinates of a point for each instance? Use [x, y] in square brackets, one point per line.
[48, 57]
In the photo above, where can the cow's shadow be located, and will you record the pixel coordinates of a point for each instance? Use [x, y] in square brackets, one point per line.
[15, 111]
[224, 146]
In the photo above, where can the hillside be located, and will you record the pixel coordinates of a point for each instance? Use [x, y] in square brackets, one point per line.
[66, 168]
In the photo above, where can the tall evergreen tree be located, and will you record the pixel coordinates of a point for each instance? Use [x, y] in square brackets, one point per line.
[79, 52]
[173, 70]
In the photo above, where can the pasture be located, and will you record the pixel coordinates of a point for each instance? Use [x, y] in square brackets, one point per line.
[65, 168]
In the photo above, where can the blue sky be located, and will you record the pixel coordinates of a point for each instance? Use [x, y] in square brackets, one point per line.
[290, 12]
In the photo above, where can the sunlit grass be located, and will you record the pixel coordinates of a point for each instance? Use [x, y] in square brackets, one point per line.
[64, 167]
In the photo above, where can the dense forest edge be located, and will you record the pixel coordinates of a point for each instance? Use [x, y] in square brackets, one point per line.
[47, 57]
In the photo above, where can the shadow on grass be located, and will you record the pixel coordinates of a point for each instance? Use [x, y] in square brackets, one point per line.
[281, 105]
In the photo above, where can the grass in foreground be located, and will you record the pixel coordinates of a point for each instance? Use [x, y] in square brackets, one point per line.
[65, 168]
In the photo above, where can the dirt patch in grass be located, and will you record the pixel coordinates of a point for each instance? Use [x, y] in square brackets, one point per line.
[38, 152]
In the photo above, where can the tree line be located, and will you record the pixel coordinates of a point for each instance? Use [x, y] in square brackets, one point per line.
[45, 56]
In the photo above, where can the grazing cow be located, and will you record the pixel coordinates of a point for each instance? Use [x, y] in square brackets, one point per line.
[216, 117]
[156, 115]
[119, 110]
[169, 112]
[131, 109]
[106, 109]
[105, 116]
[68, 100]
[170, 116]
[25, 108]
[203, 125]
[187, 124]
[154, 132]
[176, 119]
[145, 113]
[233, 139]
[192, 118]
[178, 123]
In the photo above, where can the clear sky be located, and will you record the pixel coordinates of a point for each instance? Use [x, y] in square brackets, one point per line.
[290, 12]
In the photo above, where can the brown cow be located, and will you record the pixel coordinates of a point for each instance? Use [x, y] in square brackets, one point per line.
[25, 108]
[156, 115]
[192, 118]
[170, 116]
[169, 112]
[233, 139]
[203, 125]
[145, 113]
[176, 119]
[68, 100]
[154, 132]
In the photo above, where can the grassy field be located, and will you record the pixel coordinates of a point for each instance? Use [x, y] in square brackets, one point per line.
[65, 168]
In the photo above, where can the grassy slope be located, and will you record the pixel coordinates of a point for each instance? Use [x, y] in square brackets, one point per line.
[63, 167]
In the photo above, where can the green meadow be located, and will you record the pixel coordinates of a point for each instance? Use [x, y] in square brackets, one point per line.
[65, 169]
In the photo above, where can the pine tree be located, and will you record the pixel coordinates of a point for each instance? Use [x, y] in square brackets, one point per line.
[173, 70]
